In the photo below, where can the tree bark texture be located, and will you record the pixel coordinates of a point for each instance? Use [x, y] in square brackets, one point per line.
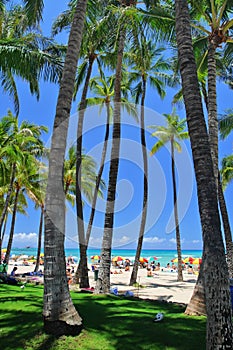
[216, 278]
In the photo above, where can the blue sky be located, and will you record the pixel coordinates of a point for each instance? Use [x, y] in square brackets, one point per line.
[160, 232]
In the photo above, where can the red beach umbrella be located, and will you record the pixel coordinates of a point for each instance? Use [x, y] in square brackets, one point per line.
[118, 258]
[95, 257]
[197, 261]
[142, 260]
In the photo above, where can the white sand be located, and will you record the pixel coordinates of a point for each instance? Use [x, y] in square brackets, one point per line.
[162, 286]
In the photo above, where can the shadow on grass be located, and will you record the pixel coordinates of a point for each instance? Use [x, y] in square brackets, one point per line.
[109, 322]
[128, 323]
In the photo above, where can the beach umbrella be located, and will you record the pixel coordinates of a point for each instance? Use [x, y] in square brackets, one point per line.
[118, 258]
[152, 258]
[95, 257]
[3, 250]
[175, 260]
[197, 261]
[143, 260]
[189, 259]
[41, 255]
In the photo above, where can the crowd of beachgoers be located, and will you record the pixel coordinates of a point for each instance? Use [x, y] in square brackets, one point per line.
[154, 281]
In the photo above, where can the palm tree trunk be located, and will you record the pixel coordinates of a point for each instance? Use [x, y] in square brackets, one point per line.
[99, 176]
[212, 109]
[103, 281]
[10, 189]
[39, 240]
[60, 315]
[82, 270]
[196, 306]
[2, 234]
[11, 235]
[134, 273]
[216, 278]
[226, 227]
[178, 242]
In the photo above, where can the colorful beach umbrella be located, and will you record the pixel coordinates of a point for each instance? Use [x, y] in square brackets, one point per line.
[189, 259]
[152, 258]
[143, 260]
[118, 258]
[3, 250]
[197, 261]
[95, 257]
[175, 260]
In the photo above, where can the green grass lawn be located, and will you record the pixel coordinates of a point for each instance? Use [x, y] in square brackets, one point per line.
[110, 323]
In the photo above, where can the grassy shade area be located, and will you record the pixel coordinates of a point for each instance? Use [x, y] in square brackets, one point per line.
[110, 323]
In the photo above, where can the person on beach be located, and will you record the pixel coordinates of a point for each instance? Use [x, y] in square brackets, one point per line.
[14, 271]
[69, 276]
[3, 267]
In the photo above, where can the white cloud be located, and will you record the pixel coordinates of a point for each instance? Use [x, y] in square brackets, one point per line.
[173, 240]
[195, 241]
[25, 239]
[154, 240]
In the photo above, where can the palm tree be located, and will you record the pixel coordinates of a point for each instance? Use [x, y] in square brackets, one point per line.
[16, 141]
[26, 54]
[103, 281]
[216, 282]
[93, 43]
[172, 133]
[227, 170]
[148, 66]
[60, 315]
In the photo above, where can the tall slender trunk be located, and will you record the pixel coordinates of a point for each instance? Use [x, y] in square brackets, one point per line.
[2, 234]
[60, 315]
[10, 190]
[103, 281]
[134, 273]
[99, 176]
[216, 278]
[11, 235]
[212, 109]
[82, 270]
[178, 242]
[39, 239]
[226, 227]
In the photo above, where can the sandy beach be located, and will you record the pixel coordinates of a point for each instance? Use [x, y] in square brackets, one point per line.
[161, 286]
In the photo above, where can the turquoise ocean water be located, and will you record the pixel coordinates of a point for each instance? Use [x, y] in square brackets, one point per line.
[163, 256]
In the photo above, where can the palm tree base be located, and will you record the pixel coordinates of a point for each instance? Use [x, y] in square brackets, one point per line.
[59, 328]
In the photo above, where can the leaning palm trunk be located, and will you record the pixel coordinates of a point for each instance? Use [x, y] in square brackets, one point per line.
[103, 281]
[39, 240]
[196, 306]
[60, 315]
[215, 273]
[82, 270]
[2, 234]
[99, 176]
[12, 229]
[226, 227]
[9, 192]
[178, 243]
[134, 273]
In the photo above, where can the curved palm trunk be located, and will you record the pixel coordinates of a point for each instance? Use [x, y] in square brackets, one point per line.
[10, 190]
[2, 234]
[196, 306]
[60, 315]
[226, 227]
[134, 273]
[178, 242]
[82, 270]
[213, 138]
[98, 179]
[216, 278]
[39, 240]
[11, 235]
[103, 281]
